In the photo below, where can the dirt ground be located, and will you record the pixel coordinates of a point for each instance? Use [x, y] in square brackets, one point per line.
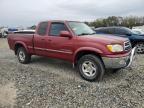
[50, 83]
[3, 44]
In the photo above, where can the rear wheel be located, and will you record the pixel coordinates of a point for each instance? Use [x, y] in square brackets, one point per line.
[23, 56]
[91, 67]
[140, 48]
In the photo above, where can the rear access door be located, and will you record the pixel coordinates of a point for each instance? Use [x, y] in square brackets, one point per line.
[40, 39]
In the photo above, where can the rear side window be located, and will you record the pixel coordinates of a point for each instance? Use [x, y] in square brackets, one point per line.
[107, 30]
[99, 31]
[103, 30]
[42, 28]
[121, 31]
[111, 31]
[56, 28]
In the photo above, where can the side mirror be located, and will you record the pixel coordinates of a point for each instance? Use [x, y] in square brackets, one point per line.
[65, 34]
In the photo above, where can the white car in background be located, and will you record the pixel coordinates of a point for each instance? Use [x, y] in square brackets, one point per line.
[138, 31]
[3, 33]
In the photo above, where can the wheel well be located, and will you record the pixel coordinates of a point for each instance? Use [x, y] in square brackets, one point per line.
[82, 53]
[17, 46]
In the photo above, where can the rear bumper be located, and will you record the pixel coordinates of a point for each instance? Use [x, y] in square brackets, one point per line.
[119, 62]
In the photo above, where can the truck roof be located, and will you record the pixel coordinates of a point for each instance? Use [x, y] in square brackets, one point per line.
[59, 21]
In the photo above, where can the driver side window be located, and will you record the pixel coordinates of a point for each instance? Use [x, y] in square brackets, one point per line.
[56, 28]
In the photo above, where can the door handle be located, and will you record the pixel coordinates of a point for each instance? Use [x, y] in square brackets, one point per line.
[49, 40]
[42, 39]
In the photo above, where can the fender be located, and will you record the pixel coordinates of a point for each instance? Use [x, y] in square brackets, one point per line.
[22, 43]
[86, 49]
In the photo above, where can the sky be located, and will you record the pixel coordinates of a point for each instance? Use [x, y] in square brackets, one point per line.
[29, 12]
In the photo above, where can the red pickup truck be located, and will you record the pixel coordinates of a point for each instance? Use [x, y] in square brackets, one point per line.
[75, 42]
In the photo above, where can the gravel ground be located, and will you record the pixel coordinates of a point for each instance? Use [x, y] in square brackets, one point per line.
[50, 83]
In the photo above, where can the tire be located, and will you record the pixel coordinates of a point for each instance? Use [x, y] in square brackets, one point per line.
[91, 67]
[23, 56]
[140, 48]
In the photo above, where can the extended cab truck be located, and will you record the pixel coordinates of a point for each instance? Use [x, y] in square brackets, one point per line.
[76, 43]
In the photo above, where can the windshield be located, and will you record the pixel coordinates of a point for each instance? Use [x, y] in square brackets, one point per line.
[80, 28]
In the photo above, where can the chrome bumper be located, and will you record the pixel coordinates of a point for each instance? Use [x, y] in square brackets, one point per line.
[119, 62]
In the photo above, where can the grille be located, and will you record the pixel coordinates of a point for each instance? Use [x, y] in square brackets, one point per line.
[127, 46]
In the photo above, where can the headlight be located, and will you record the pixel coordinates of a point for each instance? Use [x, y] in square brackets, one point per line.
[115, 48]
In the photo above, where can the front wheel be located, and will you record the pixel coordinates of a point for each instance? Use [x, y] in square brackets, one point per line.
[23, 56]
[90, 67]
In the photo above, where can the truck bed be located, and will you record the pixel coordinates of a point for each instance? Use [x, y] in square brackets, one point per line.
[25, 39]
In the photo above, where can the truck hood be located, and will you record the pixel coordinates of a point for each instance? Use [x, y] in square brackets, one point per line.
[105, 39]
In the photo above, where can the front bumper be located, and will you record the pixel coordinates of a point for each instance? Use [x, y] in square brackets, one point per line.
[114, 63]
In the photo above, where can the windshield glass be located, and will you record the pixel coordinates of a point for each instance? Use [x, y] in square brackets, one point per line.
[80, 28]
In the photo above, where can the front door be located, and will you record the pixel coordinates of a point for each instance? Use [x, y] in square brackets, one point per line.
[59, 47]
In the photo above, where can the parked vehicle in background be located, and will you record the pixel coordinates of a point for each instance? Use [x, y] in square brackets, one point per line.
[0, 35]
[10, 30]
[75, 42]
[3, 32]
[139, 27]
[138, 31]
[137, 40]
